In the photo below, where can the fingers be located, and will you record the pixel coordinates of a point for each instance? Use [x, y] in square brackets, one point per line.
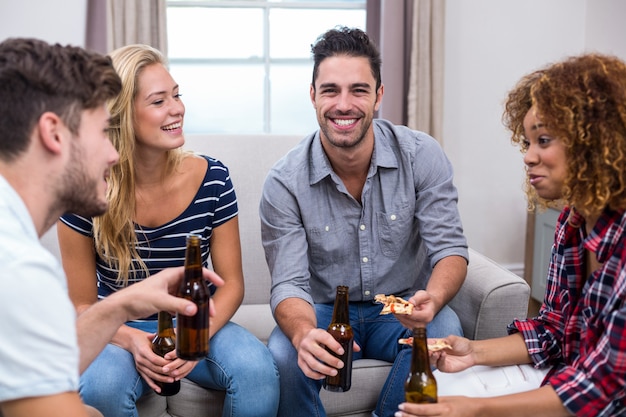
[212, 277]
[149, 381]
[419, 298]
[313, 357]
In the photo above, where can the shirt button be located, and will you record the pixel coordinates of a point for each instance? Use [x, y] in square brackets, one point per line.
[367, 293]
[362, 227]
[327, 228]
[365, 259]
[393, 217]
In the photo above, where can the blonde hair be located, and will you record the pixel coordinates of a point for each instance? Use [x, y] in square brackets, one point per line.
[114, 232]
[581, 101]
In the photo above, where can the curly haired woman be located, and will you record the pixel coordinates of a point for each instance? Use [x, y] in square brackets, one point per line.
[569, 120]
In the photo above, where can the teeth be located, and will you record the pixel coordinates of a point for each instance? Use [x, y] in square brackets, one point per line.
[172, 126]
[347, 122]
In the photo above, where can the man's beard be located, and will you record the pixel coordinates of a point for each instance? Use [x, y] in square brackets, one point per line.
[335, 140]
[339, 140]
[78, 191]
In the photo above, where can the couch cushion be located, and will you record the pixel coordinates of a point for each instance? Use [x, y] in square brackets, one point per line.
[257, 318]
[192, 400]
[491, 297]
[249, 159]
[368, 378]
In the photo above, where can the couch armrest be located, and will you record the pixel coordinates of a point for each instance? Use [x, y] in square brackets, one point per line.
[491, 297]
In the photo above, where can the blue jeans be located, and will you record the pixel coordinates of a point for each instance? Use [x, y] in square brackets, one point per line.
[378, 338]
[238, 363]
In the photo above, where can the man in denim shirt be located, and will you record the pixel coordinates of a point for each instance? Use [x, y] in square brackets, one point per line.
[361, 203]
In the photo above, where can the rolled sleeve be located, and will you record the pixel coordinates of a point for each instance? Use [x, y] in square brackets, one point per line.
[284, 240]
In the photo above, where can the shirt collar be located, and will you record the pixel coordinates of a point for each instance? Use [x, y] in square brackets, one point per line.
[383, 156]
[13, 202]
[607, 233]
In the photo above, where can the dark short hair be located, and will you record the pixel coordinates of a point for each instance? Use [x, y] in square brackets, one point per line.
[36, 77]
[343, 40]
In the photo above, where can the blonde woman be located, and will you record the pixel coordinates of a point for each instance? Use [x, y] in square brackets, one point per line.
[158, 194]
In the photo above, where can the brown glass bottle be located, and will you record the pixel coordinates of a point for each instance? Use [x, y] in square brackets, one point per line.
[421, 386]
[341, 330]
[163, 342]
[192, 332]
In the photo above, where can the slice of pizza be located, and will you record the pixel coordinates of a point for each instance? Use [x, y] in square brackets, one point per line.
[393, 304]
[439, 344]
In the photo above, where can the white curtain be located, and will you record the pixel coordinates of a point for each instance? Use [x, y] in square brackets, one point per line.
[409, 34]
[137, 21]
[425, 95]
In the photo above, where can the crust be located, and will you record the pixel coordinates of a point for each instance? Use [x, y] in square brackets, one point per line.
[439, 344]
[393, 304]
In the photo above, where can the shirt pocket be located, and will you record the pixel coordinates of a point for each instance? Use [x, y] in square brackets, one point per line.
[329, 243]
[394, 230]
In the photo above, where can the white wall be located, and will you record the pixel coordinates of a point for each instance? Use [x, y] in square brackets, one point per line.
[61, 21]
[490, 44]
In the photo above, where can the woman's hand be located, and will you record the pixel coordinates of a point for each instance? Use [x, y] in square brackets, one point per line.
[447, 406]
[460, 357]
[153, 367]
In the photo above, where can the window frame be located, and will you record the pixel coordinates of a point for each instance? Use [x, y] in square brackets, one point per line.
[266, 60]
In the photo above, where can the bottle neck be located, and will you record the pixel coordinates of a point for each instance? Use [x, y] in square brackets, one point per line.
[341, 312]
[193, 259]
[165, 322]
[420, 361]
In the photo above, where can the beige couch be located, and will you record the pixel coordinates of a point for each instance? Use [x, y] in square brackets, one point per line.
[490, 298]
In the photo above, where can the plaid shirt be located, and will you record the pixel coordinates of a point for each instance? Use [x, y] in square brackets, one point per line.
[581, 328]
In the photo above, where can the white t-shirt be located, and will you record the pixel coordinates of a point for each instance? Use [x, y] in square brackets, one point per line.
[38, 345]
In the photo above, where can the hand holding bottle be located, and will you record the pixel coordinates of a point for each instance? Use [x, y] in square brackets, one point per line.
[164, 342]
[192, 332]
[341, 330]
[154, 294]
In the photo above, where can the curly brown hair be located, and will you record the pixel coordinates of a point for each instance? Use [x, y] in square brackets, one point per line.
[582, 101]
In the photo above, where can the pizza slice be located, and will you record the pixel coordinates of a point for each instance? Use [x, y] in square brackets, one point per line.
[439, 344]
[393, 304]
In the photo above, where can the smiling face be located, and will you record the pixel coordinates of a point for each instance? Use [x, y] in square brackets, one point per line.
[545, 158]
[345, 99]
[159, 111]
[84, 183]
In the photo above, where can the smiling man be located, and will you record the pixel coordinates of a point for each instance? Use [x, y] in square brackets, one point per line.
[362, 203]
[55, 156]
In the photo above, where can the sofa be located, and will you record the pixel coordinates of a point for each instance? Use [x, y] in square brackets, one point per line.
[490, 298]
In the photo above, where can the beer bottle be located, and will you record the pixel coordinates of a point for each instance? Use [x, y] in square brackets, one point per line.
[341, 330]
[163, 342]
[421, 386]
[192, 332]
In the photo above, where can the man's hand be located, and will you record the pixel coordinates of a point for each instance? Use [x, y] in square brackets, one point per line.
[157, 293]
[98, 323]
[424, 311]
[313, 358]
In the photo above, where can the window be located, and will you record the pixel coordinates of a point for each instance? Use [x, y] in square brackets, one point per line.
[244, 67]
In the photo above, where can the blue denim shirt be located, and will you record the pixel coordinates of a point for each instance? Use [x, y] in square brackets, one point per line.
[317, 236]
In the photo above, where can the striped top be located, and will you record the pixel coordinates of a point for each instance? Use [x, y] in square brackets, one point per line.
[164, 246]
